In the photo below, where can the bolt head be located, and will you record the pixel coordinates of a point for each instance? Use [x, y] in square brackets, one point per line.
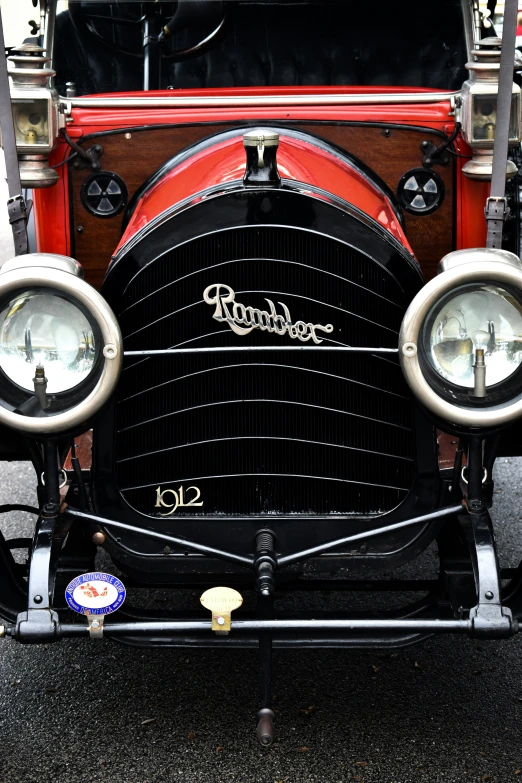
[220, 620]
[95, 624]
[38, 599]
[489, 595]
[98, 538]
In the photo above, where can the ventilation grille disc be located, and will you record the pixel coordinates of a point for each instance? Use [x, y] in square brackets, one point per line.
[421, 191]
[104, 194]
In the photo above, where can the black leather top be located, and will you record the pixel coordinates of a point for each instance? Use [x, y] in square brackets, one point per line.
[419, 43]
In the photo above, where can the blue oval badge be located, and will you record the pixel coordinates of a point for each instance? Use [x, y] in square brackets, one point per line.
[95, 593]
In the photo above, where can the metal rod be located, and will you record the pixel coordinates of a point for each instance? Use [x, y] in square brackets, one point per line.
[505, 83]
[469, 26]
[185, 543]
[265, 612]
[475, 471]
[49, 28]
[320, 548]
[255, 101]
[192, 626]
[52, 482]
[235, 348]
[281, 561]
[151, 53]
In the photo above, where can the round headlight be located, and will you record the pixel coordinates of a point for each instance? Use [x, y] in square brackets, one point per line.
[469, 312]
[44, 327]
[487, 317]
[50, 317]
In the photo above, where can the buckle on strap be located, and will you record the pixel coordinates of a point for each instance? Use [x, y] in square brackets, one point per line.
[496, 213]
[17, 209]
[496, 208]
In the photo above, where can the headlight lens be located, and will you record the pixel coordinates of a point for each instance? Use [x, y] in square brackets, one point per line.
[44, 327]
[479, 316]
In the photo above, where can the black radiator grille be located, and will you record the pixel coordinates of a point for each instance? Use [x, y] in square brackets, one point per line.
[265, 432]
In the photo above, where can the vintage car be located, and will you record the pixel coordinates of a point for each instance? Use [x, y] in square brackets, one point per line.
[269, 341]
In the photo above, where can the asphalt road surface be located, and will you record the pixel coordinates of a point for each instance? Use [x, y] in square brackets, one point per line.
[449, 710]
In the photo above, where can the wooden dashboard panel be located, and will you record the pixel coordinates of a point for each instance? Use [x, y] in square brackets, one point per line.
[134, 156]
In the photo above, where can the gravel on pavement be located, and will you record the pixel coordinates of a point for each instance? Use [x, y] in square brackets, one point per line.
[449, 710]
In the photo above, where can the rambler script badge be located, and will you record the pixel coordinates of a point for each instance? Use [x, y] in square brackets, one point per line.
[95, 593]
[243, 319]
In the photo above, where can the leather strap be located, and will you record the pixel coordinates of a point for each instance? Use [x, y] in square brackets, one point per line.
[16, 206]
[496, 205]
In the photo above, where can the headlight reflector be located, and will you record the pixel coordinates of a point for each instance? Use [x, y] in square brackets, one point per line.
[485, 316]
[43, 327]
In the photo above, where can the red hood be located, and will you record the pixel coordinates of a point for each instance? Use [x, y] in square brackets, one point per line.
[299, 160]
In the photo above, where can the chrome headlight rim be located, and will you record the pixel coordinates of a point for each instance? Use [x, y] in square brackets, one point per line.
[471, 416]
[77, 290]
[498, 393]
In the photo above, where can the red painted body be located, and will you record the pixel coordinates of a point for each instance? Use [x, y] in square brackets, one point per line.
[51, 206]
[296, 160]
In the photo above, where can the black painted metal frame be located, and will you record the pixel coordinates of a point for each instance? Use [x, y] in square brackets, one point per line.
[491, 614]
[490, 617]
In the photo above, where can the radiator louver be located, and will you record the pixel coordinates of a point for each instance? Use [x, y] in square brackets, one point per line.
[265, 432]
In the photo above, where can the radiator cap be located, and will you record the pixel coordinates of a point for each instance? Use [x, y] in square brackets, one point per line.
[268, 138]
[261, 152]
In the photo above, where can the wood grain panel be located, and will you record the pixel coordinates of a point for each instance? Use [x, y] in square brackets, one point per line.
[391, 156]
[389, 152]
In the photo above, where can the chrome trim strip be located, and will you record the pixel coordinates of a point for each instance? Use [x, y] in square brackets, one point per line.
[240, 101]
[264, 401]
[272, 293]
[225, 349]
[263, 437]
[299, 368]
[205, 269]
[285, 475]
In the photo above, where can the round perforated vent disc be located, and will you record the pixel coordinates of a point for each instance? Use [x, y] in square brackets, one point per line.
[421, 191]
[104, 194]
